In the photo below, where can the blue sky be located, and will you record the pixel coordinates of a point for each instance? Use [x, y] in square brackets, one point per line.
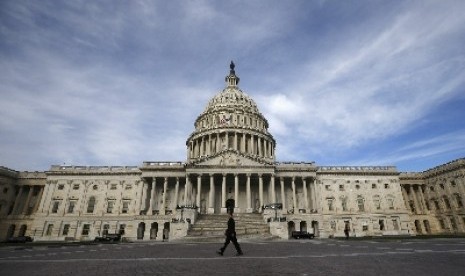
[340, 82]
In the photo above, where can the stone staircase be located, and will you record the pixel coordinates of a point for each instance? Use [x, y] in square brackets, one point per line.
[211, 228]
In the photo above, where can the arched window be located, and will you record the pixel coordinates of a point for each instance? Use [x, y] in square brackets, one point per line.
[91, 205]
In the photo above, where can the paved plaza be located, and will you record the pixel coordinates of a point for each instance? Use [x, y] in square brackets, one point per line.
[296, 257]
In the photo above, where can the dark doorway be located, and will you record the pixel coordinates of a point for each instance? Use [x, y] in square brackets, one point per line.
[230, 203]
[290, 228]
[153, 231]
[141, 231]
[166, 231]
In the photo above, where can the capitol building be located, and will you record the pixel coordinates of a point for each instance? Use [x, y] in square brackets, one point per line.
[230, 166]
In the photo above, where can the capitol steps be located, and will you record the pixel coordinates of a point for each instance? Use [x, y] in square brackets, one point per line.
[211, 228]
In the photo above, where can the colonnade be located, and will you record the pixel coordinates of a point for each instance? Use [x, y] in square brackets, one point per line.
[250, 191]
[415, 193]
[243, 142]
[21, 207]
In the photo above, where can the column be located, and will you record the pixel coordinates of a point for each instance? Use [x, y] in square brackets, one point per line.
[223, 194]
[45, 195]
[304, 187]
[26, 205]
[227, 140]
[235, 141]
[163, 204]
[405, 196]
[39, 198]
[248, 195]
[211, 196]
[294, 199]
[243, 143]
[217, 144]
[153, 195]
[260, 190]
[316, 196]
[273, 192]
[186, 187]
[199, 190]
[209, 147]
[236, 193]
[259, 147]
[422, 199]
[252, 140]
[140, 191]
[415, 202]
[17, 200]
[176, 194]
[283, 195]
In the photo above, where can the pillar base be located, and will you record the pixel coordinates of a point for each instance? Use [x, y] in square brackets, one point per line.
[237, 210]
[211, 210]
[249, 210]
[224, 210]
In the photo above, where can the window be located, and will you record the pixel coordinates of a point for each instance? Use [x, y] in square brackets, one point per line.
[61, 186]
[381, 224]
[390, 203]
[110, 206]
[95, 187]
[377, 202]
[91, 205]
[49, 230]
[106, 227]
[446, 202]
[458, 199]
[341, 187]
[125, 207]
[452, 183]
[395, 224]
[360, 204]
[344, 203]
[65, 230]
[357, 187]
[386, 186]
[128, 187]
[442, 224]
[436, 204]
[431, 188]
[333, 225]
[327, 187]
[113, 186]
[71, 205]
[122, 228]
[56, 204]
[373, 186]
[76, 187]
[85, 229]
[453, 225]
[442, 186]
[330, 204]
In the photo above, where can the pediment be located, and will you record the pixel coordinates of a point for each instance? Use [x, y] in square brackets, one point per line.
[229, 159]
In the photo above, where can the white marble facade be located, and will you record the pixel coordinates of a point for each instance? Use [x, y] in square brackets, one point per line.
[230, 164]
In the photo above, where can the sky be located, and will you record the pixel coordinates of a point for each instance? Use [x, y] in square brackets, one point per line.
[341, 83]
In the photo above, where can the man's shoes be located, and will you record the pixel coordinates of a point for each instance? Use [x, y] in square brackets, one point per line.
[239, 254]
[219, 253]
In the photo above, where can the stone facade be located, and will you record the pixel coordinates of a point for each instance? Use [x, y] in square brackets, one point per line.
[230, 166]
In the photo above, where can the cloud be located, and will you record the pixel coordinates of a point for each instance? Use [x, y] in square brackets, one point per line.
[119, 83]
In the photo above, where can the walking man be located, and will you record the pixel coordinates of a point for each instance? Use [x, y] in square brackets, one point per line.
[347, 230]
[231, 236]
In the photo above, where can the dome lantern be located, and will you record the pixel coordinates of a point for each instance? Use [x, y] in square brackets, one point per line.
[232, 79]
